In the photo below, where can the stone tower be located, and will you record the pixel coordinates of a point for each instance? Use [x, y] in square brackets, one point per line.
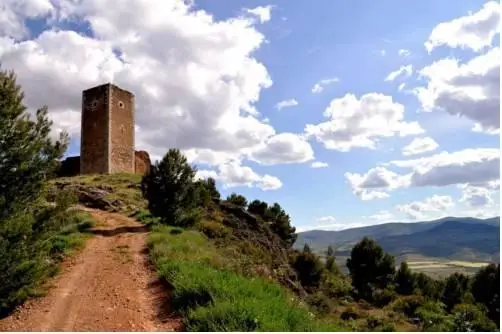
[107, 136]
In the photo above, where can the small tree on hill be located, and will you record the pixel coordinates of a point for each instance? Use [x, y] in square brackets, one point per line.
[306, 248]
[210, 184]
[280, 223]
[238, 200]
[168, 187]
[405, 280]
[258, 208]
[331, 260]
[486, 290]
[455, 289]
[309, 268]
[370, 267]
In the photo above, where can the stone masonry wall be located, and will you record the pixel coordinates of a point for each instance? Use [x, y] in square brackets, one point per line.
[122, 131]
[94, 135]
[141, 162]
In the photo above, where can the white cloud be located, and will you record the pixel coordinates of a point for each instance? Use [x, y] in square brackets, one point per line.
[420, 145]
[233, 174]
[262, 12]
[470, 90]
[319, 86]
[366, 186]
[473, 167]
[476, 197]
[474, 31]
[403, 71]
[422, 209]
[284, 148]
[361, 122]
[328, 223]
[13, 14]
[404, 52]
[286, 104]
[401, 86]
[460, 167]
[319, 164]
[382, 216]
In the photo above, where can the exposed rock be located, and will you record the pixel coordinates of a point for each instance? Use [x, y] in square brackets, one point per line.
[92, 197]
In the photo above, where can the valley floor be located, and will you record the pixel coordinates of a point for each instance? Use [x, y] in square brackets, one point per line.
[108, 286]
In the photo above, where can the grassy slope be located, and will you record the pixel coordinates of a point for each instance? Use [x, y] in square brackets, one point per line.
[211, 297]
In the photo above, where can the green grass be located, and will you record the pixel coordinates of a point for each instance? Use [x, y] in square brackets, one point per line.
[212, 297]
[122, 187]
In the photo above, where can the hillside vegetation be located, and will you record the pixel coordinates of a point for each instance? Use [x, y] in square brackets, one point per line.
[229, 264]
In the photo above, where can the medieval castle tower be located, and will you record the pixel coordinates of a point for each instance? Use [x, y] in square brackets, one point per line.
[107, 136]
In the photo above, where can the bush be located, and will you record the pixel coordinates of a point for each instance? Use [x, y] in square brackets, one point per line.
[408, 304]
[309, 269]
[320, 302]
[374, 322]
[383, 297]
[486, 290]
[238, 200]
[145, 217]
[213, 229]
[470, 318]
[336, 287]
[433, 317]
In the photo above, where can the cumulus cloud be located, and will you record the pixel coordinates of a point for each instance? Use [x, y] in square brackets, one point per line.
[368, 186]
[422, 209]
[319, 86]
[319, 164]
[474, 31]
[284, 148]
[195, 90]
[460, 167]
[470, 90]
[261, 12]
[474, 167]
[233, 174]
[361, 122]
[420, 145]
[286, 104]
[402, 72]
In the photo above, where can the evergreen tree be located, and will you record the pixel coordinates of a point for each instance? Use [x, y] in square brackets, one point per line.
[486, 290]
[238, 200]
[405, 280]
[331, 260]
[370, 267]
[168, 187]
[28, 155]
[258, 208]
[306, 248]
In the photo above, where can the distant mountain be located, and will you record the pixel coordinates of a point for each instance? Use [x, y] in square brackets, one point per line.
[457, 238]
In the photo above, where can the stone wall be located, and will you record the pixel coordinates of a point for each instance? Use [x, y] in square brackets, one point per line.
[122, 131]
[71, 165]
[94, 140]
[142, 162]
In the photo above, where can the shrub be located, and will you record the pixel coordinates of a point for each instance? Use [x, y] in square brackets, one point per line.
[309, 269]
[213, 229]
[383, 297]
[335, 286]
[470, 318]
[404, 280]
[433, 317]
[238, 200]
[486, 290]
[373, 322]
[145, 217]
[320, 302]
[408, 304]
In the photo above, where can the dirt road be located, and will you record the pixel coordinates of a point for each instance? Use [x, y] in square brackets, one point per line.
[108, 286]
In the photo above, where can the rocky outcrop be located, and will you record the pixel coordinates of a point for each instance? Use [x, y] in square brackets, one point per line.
[90, 196]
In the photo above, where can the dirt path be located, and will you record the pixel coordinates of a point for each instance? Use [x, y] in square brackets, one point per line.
[106, 287]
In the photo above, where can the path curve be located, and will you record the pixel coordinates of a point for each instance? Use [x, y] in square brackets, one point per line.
[108, 286]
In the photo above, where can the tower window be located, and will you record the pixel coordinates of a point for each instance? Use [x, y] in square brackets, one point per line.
[94, 104]
[121, 104]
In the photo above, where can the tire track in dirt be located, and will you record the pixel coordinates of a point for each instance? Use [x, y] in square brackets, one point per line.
[108, 286]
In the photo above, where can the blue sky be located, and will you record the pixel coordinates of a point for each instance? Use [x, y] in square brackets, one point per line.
[302, 42]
